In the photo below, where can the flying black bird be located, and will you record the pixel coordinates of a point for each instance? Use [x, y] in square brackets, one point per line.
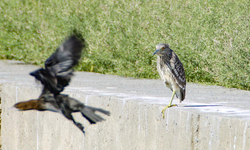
[58, 67]
[54, 77]
[62, 104]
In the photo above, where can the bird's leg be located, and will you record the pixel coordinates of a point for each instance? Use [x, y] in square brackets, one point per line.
[169, 105]
[79, 125]
[67, 114]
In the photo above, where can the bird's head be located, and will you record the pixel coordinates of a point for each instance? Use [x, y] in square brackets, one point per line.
[29, 105]
[45, 102]
[161, 49]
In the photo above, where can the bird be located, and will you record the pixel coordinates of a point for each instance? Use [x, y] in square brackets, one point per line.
[55, 77]
[172, 73]
[58, 67]
[62, 104]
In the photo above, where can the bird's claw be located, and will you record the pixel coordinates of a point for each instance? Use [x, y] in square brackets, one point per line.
[79, 125]
[163, 110]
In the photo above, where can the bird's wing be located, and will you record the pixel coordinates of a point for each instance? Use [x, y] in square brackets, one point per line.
[58, 67]
[66, 56]
[176, 68]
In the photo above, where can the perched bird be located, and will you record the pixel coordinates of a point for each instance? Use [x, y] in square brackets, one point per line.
[172, 72]
[58, 67]
[62, 104]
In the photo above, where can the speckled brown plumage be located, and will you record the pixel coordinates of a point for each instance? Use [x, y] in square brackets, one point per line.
[171, 71]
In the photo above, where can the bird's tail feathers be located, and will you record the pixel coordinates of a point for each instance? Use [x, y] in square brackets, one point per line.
[91, 116]
[182, 94]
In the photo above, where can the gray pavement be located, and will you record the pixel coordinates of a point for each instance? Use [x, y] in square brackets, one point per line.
[222, 108]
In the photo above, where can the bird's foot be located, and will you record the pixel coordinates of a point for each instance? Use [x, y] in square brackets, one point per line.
[79, 125]
[163, 110]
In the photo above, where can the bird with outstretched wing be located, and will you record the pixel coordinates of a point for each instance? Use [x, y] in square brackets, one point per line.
[54, 77]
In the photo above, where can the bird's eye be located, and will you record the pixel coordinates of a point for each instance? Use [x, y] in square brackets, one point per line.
[163, 48]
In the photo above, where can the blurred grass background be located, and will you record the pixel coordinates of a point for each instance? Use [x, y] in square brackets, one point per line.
[211, 37]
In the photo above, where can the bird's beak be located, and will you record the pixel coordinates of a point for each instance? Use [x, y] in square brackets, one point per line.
[157, 51]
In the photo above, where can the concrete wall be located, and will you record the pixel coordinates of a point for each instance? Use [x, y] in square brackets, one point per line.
[134, 124]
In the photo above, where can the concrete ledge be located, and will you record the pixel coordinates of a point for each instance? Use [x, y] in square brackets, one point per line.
[211, 117]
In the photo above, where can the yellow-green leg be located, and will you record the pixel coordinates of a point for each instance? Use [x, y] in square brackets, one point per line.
[169, 105]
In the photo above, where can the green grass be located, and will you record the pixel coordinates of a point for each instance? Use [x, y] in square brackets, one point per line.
[211, 37]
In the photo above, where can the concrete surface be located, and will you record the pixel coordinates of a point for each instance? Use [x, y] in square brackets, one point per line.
[211, 117]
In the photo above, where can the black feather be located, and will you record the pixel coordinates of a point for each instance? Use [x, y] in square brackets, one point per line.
[59, 66]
